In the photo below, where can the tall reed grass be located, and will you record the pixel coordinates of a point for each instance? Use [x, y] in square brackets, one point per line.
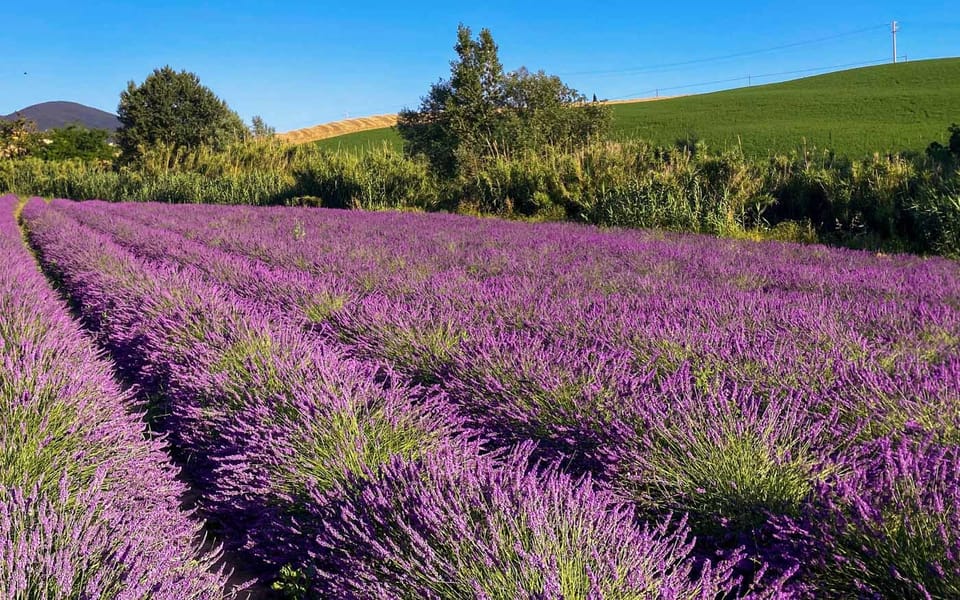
[884, 202]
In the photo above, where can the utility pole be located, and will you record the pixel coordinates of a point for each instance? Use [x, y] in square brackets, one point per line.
[894, 28]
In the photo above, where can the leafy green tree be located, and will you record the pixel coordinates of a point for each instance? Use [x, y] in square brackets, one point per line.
[954, 143]
[259, 128]
[544, 111]
[459, 117]
[75, 141]
[481, 112]
[951, 152]
[176, 110]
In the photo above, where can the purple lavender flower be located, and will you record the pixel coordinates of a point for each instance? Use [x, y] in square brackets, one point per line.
[886, 526]
[467, 526]
[89, 503]
[731, 382]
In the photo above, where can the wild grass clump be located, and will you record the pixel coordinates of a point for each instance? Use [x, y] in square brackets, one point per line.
[373, 180]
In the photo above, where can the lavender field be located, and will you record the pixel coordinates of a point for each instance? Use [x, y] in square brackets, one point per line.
[396, 405]
[89, 506]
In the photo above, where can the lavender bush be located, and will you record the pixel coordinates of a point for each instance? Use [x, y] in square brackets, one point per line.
[889, 527]
[729, 458]
[81, 544]
[89, 503]
[261, 411]
[453, 526]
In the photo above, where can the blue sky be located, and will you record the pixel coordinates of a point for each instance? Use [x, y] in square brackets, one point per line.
[302, 63]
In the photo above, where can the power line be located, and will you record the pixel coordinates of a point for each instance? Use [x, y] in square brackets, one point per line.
[730, 56]
[751, 77]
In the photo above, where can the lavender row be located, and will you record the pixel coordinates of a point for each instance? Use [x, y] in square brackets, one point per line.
[579, 258]
[264, 418]
[292, 442]
[303, 297]
[89, 503]
[570, 390]
[748, 408]
[842, 334]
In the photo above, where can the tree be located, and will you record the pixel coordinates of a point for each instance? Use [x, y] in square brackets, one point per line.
[950, 152]
[481, 112]
[459, 117]
[259, 128]
[174, 109]
[544, 111]
[954, 143]
[75, 141]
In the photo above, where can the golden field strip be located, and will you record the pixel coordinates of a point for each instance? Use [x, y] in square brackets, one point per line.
[347, 126]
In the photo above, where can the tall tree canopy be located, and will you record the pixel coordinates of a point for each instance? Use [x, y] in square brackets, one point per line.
[480, 111]
[174, 109]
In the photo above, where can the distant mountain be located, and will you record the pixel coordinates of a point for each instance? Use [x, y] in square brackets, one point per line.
[49, 115]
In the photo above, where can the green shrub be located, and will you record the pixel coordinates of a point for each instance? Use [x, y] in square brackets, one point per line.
[375, 180]
[889, 203]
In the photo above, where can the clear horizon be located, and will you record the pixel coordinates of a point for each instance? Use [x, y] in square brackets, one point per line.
[308, 64]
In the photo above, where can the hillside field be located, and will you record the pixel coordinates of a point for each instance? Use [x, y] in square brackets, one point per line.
[363, 140]
[888, 108]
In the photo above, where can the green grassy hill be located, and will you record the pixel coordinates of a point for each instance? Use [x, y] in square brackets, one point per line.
[363, 140]
[888, 108]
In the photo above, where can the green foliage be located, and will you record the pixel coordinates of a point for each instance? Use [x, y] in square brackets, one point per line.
[888, 108]
[259, 129]
[17, 138]
[292, 583]
[20, 138]
[544, 111]
[175, 109]
[889, 203]
[935, 220]
[480, 112]
[75, 141]
[948, 155]
[251, 155]
[83, 181]
[373, 180]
